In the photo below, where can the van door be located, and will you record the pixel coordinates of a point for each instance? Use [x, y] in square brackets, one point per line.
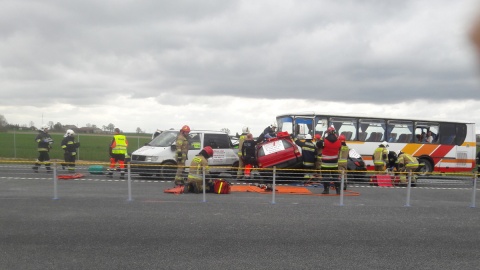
[194, 140]
[223, 153]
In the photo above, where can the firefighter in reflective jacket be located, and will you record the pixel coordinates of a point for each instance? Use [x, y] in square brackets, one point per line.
[118, 152]
[343, 156]
[309, 154]
[318, 160]
[195, 172]
[69, 147]
[331, 148]
[380, 157]
[406, 163]
[241, 158]
[44, 144]
[182, 146]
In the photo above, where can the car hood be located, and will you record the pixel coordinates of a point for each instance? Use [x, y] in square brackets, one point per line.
[149, 151]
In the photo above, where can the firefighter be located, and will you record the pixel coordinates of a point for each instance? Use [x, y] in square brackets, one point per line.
[44, 144]
[241, 159]
[406, 163]
[331, 148]
[195, 172]
[182, 145]
[268, 132]
[318, 160]
[380, 157]
[249, 151]
[69, 147]
[343, 156]
[309, 154]
[118, 153]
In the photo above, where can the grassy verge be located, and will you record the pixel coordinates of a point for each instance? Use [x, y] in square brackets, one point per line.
[93, 147]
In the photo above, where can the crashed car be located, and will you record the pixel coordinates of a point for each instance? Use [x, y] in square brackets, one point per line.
[283, 153]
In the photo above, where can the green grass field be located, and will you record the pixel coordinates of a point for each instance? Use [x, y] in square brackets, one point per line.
[93, 147]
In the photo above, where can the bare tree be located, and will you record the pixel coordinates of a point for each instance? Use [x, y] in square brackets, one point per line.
[3, 121]
[32, 124]
[226, 130]
[139, 130]
[50, 124]
[110, 127]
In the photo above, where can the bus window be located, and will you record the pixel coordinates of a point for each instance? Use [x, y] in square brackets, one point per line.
[345, 126]
[399, 131]
[423, 131]
[447, 133]
[461, 133]
[371, 130]
[285, 124]
[321, 125]
[303, 126]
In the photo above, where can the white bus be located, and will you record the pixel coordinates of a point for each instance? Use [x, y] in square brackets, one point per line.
[453, 148]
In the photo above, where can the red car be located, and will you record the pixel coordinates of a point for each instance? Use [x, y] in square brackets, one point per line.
[281, 152]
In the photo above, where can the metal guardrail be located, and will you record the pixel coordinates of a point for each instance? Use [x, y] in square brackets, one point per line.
[273, 176]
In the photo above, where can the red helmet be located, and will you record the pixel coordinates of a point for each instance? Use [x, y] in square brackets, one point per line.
[208, 150]
[317, 137]
[341, 138]
[330, 129]
[185, 129]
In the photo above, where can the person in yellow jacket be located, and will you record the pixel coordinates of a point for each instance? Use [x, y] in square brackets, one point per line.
[118, 152]
[195, 173]
[241, 158]
[380, 157]
[343, 156]
[406, 163]
[182, 146]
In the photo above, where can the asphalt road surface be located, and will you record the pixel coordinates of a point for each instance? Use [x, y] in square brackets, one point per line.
[92, 224]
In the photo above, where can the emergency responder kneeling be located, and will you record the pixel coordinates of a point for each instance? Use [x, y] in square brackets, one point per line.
[406, 164]
[195, 174]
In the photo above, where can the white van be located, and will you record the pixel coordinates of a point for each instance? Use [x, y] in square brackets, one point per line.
[146, 161]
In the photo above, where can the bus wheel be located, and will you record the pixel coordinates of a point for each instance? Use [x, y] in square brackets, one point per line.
[425, 168]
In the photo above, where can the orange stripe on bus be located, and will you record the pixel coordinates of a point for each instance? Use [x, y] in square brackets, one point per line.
[411, 148]
[426, 149]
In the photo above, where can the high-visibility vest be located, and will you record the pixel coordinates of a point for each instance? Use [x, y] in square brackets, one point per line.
[120, 144]
[378, 156]
[343, 155]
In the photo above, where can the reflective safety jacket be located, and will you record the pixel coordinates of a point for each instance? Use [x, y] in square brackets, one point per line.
[44, 141]
[343, 155]
[69, 146]
[380, 156]
[119, 144]
[240, 144]
[196, 168]
[408, 161]
[182, 146]
[331, 147]
[309, 152]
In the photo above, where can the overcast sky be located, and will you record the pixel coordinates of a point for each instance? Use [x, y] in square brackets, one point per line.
[216, 64]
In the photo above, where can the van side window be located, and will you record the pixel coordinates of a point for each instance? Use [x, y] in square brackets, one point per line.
[217, 141]
[194, 140]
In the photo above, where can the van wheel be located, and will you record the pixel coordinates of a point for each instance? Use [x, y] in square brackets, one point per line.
[168, 170]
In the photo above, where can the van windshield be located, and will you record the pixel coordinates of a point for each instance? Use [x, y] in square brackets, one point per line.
[165, 139]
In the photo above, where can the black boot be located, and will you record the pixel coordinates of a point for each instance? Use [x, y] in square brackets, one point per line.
[337, 188]
[326, 188]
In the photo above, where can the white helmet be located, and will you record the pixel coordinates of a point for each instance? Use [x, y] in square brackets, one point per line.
[385, 144]
[45, 127]
[274, 125]
[245, 130]
[308, 137]
[70, 132]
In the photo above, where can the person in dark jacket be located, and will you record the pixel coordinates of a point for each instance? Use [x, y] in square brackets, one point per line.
[248, 151]
[268, 132]
[309, 154]
[69, 147]
[44, 144]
